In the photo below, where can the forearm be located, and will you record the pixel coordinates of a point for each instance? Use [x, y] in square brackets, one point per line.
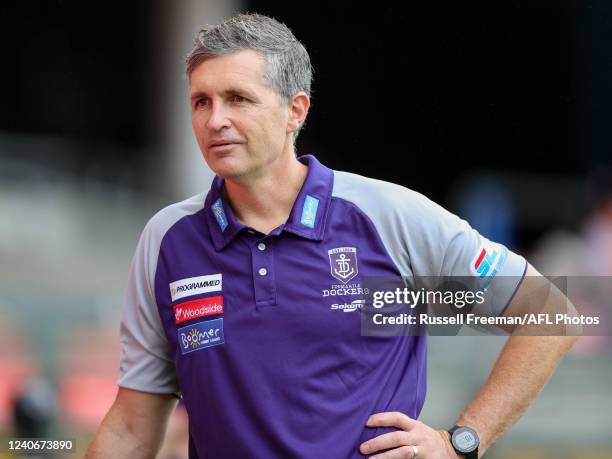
[134, 427]
[109, 442]
[115, 439]
[520, 372]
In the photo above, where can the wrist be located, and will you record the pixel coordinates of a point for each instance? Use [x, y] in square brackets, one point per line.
[446, 437]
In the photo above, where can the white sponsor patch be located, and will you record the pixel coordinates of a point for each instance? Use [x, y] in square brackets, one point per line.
[195, 285]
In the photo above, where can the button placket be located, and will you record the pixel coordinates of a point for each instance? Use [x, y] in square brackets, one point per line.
[263, 273]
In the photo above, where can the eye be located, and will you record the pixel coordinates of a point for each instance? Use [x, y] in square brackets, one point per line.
[237, 98]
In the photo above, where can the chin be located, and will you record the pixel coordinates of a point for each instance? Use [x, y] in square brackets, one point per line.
[227, 167]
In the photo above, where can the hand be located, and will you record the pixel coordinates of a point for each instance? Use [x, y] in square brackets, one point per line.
[430, 443]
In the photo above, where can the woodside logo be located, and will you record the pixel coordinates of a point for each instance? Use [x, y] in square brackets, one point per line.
[195, 309]
[195, 285]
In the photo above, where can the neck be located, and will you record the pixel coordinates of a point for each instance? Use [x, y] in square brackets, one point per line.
[265, 202]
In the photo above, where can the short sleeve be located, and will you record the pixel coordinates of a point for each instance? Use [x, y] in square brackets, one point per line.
[146, 359]
[446, 246]
[430, 245]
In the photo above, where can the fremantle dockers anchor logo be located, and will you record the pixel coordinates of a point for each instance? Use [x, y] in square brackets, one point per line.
[343, 263]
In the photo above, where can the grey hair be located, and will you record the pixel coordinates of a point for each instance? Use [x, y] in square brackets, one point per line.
[288, 69]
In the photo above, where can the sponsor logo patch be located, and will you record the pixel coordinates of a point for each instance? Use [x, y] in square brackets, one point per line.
[219, 213]
[201, 335]
[488, 261]
[348, 307]
[343, 263]
[195, 285]
[198, 308]
[309, 211]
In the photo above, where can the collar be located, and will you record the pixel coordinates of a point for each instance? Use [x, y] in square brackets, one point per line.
[307, 217]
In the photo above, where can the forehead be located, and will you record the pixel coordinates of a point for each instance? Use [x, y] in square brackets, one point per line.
[243, 68]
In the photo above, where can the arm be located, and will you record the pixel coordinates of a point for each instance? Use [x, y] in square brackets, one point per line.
[520, 372]
[134, 426]
[524, 365]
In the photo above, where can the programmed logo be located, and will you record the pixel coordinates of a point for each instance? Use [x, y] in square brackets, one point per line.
[201, 336]
[195, 285]
[343, 263]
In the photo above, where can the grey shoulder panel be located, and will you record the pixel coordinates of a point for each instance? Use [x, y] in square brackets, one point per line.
[401, 217]
[146, 360]
[425, 240]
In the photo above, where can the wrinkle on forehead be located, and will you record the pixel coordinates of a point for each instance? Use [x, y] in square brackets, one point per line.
[242, 67]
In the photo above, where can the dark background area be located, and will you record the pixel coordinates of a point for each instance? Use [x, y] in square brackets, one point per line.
[419, 94]
[441, 87]
[71, 69]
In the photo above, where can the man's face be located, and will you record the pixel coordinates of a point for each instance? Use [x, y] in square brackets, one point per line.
[238, 120]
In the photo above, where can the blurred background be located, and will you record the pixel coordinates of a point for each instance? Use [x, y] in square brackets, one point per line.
[499, 111]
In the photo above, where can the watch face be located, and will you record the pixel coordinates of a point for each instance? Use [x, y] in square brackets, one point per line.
[465, 440]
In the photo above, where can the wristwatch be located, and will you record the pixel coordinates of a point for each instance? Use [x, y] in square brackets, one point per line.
[465, 441]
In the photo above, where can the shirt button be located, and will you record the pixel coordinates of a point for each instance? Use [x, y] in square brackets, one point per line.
[261, 246]
[263, 271]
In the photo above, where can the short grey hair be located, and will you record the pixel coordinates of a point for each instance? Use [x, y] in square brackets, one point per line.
[288, 69]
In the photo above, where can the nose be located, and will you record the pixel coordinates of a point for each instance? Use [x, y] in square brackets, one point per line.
[217, 118]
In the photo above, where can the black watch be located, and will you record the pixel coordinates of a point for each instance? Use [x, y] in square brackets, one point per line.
[465, 441]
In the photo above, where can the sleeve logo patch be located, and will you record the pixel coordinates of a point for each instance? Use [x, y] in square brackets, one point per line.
[198, 308]
[201, 335]
[195, 285]
[488, 261]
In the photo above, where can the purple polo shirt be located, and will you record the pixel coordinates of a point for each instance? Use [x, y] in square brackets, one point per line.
[258, 332]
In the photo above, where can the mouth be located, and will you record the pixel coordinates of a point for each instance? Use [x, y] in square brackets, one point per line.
[222, 146]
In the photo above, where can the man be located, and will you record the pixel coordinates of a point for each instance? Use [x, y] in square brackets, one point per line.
[232, 292]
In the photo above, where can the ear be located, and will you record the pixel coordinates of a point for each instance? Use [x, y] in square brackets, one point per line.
[298, 110]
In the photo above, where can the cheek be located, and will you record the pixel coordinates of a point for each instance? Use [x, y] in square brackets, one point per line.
[198, 130]
[197, 121]
[195, 124]
[276, 126]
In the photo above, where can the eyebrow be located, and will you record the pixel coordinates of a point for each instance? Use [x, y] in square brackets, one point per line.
[227, 92]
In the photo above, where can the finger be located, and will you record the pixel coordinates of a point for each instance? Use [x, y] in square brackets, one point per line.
[391, 419]
[388, 440]
[405, 452]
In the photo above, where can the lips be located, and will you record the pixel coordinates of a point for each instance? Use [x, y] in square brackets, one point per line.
[220, 143]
